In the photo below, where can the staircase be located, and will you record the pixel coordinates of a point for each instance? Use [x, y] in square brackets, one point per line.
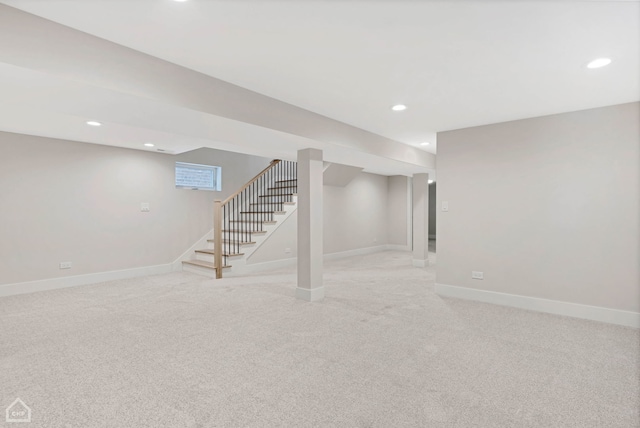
[245, 219]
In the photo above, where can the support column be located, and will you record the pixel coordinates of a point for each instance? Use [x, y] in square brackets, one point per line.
[420, 220]
[310, 287]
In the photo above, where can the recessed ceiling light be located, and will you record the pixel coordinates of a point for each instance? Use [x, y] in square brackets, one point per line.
[180, 1]
[600, 62]
[430, 181]
[149, 144]
[93, 123]
[399, 107]
[425, 144]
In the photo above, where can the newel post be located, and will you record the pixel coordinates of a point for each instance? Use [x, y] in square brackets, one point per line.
[217, 237]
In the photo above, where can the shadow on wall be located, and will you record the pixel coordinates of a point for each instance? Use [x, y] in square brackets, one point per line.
[432, 211]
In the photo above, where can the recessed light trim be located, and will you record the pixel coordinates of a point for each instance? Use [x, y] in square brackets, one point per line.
[93, 123]
[180, 1]
[399, 107]
[149, 145]
[600, 62]
[430, 181]
[425, 143]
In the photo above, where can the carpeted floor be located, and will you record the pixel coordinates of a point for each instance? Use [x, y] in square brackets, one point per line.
[382, 350]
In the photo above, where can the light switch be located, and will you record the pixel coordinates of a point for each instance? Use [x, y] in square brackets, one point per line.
[445, 206]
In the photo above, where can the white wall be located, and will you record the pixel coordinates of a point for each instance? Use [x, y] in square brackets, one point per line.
[355, 217]
[397, 210]
[69, 201]
[546, 207]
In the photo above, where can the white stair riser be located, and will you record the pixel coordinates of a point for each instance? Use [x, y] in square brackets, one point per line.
[200, 270]
[206, 257]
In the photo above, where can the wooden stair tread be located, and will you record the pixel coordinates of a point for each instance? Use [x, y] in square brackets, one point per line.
[254, 221]
[286, 181]
[263, 212]
[276, 196]
[210, 251]
[282, 187]
[202, 264]
[244, 231]
[273, 203]
[226, 241]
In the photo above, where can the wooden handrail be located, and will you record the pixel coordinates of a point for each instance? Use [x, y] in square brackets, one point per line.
[264, 171]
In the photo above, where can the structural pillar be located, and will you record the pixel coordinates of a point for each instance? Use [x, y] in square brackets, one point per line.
[420, 196]
[310, 287]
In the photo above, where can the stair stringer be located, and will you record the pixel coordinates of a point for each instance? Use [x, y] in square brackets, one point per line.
[239, 265]
[176, 265]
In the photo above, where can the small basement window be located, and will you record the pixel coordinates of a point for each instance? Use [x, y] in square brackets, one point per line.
[198, 177]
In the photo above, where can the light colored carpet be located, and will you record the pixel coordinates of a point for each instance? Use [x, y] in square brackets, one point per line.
[382, 350]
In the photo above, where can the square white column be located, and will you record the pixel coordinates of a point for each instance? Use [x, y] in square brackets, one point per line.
[420, 197]
[310, 251]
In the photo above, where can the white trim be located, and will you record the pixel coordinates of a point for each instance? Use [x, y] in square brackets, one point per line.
[420, 263]
[575, 310]
[355, 252]
[241, 270]
[261, 239]
[200, 243]
[77, 280]
[94, 278]
[310, 294]
[394, 247]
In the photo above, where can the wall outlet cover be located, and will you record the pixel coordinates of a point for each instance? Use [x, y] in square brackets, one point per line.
[477, 274]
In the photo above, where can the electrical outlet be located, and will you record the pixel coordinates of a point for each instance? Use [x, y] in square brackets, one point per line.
[65, 265]
[477, 275]
[144, 207]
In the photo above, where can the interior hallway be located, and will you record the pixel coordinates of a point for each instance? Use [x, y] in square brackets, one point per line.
[382, 350]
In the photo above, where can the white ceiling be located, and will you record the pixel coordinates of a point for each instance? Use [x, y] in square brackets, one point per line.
[454, 64]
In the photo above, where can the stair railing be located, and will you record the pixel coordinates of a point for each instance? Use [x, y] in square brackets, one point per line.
[243, 214]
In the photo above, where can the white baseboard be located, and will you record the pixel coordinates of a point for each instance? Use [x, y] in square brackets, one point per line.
[575, 310]
[310, 294]
[77, 280]
[355, 252]
[291, 261]
[241, 270]
[394, 247]
[420, 263]
[94, 278]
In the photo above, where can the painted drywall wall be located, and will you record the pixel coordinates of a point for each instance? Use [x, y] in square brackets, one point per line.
[432, 210]
[397, 209]
[546, 207]
[354, 217]
[67, 201]
[275, 246]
